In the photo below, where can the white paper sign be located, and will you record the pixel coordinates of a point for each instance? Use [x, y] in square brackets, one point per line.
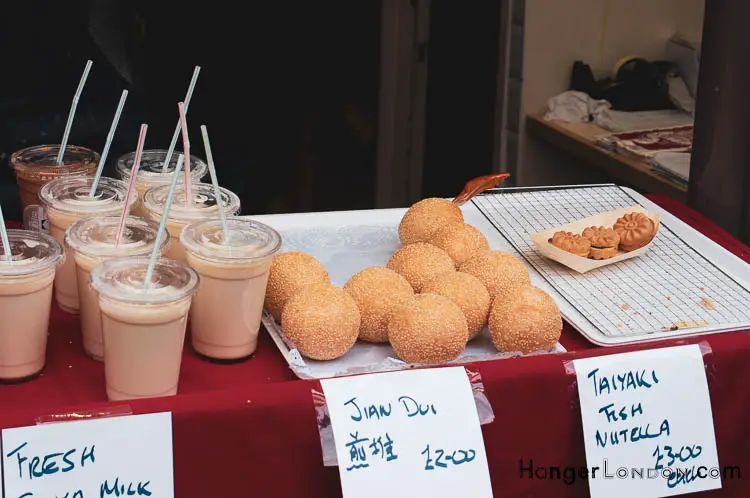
[647, 423]
[118, 456]
[410, 433]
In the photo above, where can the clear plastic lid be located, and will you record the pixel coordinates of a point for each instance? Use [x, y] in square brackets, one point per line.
[203, 205]
[96, 236]
[32, 252]
[71, 195]
[248, 240]
[150, 170]
[122, 279]
[40, 161]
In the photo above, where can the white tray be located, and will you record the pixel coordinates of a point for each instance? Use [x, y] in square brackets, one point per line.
[685, 285]
[347, 242]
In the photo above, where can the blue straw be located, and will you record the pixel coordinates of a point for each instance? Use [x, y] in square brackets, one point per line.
[72, 112]
[215, 182]
[163, 224]
[108, 143]
[177, 129]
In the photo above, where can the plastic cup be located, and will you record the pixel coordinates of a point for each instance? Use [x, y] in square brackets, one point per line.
[204, 207]
[25, 300]
[150, 173]
[226, 311]
[35, 166]
[91, 241]
[143, 330]
[66, 201]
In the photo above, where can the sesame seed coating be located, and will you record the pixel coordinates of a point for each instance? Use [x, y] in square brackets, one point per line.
[322, 321]
[428, 329]
[376, 291]
[460, 240]
[501, 273]
[290, 272]
[426, 216]
[419, 263]
[528, 322]
[468, 293]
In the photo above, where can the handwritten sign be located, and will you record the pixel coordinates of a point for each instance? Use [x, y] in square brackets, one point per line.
[647, 423]
[410, 433]
[118, 456]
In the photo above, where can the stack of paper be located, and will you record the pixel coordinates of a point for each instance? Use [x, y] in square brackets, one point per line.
[674, 166]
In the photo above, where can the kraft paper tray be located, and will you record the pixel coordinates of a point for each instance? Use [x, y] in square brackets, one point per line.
[579, 263]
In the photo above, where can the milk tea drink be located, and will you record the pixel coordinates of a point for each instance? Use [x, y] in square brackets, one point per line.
[91, 241]
[35, 166]
[143, 329]
[233, 267]
[202, 206]
[150, 173]
[25, 300]
[66, 201]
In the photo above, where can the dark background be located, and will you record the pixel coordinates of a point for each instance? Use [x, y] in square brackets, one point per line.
[288, 90]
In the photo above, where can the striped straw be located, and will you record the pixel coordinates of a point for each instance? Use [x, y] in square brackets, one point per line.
[131, 182]
[186, 152]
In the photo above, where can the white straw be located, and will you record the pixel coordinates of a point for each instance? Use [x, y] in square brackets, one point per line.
[176, 135]
[4, 236]
[215, 181]
[108, 143]
[72, 113]
[162, 225]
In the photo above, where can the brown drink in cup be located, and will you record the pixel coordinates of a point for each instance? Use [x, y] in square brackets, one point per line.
[37, 165]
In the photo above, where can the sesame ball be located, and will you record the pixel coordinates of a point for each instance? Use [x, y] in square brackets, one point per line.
[527, 322]
[290, 272]
[501, 273]
[460, 240]
[466, 292]
[426, 216]
[419, 263]
[376, 291]
[428, 329]
[322, 321]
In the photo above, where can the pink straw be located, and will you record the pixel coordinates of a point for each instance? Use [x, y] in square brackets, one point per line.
[131, 183]
[186, 153]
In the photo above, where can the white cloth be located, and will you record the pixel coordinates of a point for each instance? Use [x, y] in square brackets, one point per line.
[576, 107]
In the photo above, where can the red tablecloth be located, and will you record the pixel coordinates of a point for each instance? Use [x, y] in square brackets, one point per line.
[250, 429]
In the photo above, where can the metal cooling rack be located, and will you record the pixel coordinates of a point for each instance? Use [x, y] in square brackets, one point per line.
[679, 287]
